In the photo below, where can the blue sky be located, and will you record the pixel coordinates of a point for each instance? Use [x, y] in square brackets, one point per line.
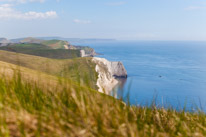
[117, 19]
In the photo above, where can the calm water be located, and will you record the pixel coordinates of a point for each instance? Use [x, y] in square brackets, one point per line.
[174, 73]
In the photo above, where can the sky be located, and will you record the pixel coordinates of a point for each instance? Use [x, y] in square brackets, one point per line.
[106, 19]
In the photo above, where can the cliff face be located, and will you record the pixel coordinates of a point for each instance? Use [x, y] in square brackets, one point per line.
[118, 70]
[107, 72]
[84, 50]
[82, 53]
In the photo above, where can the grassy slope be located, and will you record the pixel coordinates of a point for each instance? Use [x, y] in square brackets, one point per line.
[42, 50]
[38, 104]
[59, 44]
[29, 75]
[78, 70]
[55, 44]
[42, 79]
[28, 109]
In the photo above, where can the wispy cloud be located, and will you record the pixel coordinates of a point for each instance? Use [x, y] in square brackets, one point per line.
[8, 12]
[82, 21]
[119, 3]
[23, 1]
[195, 8]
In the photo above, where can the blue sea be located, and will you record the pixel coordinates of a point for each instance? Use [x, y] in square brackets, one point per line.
[167, 73]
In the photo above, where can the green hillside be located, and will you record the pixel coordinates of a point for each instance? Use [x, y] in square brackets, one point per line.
[42, 50]
[53, 44]
[78, 70]
[43, 97]
[64, 109]
[55, 49]
[56, 44]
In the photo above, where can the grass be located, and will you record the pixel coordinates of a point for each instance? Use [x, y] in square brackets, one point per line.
[43, 50]
[80, 70]
[55, 49]
[55, 44]
[28, 109]
[57, 98]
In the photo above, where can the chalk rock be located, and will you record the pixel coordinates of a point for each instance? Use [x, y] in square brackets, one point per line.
[107, 74]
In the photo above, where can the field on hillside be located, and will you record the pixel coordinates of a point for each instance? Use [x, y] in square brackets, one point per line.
[65, 109]
[55, 44]
[42, 50]
[80, 70]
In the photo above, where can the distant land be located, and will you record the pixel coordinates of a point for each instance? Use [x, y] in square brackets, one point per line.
[50, 48]
[71, 40]
[77, 40]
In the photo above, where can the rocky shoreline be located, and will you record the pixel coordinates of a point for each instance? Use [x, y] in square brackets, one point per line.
[108, 73]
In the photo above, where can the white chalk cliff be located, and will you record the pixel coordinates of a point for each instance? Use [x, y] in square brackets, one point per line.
[107, 74]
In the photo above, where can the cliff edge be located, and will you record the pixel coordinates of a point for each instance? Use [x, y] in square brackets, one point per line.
[107, 74]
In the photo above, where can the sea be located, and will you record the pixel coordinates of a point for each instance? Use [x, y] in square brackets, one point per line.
[169, 74]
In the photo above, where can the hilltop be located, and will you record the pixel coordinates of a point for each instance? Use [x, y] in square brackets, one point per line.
[72, 40]
[31, 40]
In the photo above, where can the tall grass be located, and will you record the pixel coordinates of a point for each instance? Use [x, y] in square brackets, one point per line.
[27, 109]
[70, 68]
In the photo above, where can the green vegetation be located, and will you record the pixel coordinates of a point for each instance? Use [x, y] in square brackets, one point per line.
[28, 109]
[55, 49]
[55, 44]
[42, 50]
[78, 70]
[57, 98]
[26, 46]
